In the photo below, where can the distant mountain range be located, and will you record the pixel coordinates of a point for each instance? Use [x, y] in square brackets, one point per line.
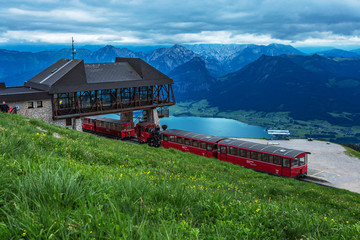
[17, 67]
[250, 77]
[309, 87]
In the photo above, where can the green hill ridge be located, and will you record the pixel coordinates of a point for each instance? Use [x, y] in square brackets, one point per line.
[58, 183]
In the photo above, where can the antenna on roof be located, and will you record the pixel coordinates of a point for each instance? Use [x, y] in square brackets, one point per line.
[73, 49]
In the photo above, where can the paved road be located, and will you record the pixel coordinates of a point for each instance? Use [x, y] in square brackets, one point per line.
[327, 161]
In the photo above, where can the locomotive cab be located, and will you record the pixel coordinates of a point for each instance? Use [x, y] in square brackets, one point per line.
[147, 132]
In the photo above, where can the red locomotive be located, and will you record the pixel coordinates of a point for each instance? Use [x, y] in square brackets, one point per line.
[265, 158]
[147, 132]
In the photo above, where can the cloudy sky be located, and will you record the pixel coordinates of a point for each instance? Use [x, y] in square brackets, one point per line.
[161, 22]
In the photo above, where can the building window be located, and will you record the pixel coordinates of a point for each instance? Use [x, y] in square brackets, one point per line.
[68, 122]
[39, 104]
[30, 104]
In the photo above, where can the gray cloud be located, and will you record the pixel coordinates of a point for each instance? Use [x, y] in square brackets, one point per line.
[163, 21]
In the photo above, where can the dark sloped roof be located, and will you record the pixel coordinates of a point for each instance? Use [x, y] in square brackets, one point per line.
[145, 70]
[12, 94]
[110, 72]
[71, 75]
[286, 152]
[54, 74]
[199, 136]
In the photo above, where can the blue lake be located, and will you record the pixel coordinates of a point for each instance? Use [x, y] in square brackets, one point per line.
[213, 126]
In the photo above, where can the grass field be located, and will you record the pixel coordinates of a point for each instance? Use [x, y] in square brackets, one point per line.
[57, 183]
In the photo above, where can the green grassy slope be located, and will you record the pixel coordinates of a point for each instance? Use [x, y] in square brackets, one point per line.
[57, 183]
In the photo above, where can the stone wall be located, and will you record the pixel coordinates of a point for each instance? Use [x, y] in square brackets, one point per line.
[43, 112]
[151, 115]
[126, 116]
[42, 109]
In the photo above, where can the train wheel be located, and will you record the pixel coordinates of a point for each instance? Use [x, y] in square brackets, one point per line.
[157, 144]
[151, 142]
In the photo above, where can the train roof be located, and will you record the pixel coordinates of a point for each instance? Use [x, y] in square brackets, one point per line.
[105, 119]
[292, 153]
[199, 136]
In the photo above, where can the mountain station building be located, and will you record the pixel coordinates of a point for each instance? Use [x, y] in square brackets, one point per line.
[70, 89]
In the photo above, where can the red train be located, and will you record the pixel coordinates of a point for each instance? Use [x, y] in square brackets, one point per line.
[266, 158]
[108, 126]
[262, 157]
[145, 132]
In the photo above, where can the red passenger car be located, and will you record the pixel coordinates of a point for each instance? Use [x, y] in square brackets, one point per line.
[266, 158]
[200, 144]
[108, 126]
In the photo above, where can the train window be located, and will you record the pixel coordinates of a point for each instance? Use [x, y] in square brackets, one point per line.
[107, 125]
[233, 151]
[186, 141]
[242, 153]
[209, 147]
[253, 155]
[128, 127]
[118, 127]
[265, 157]
[179, 140]
[195, 143]
[165, 137]
[247, 154]
[295, 162]
[302, 161]
[123, 127]
[277, 160]
[172, 138]
[259, 156]
[286, 162]
[223, 149]
[215, 147]
[271, 158]
[203, 145]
